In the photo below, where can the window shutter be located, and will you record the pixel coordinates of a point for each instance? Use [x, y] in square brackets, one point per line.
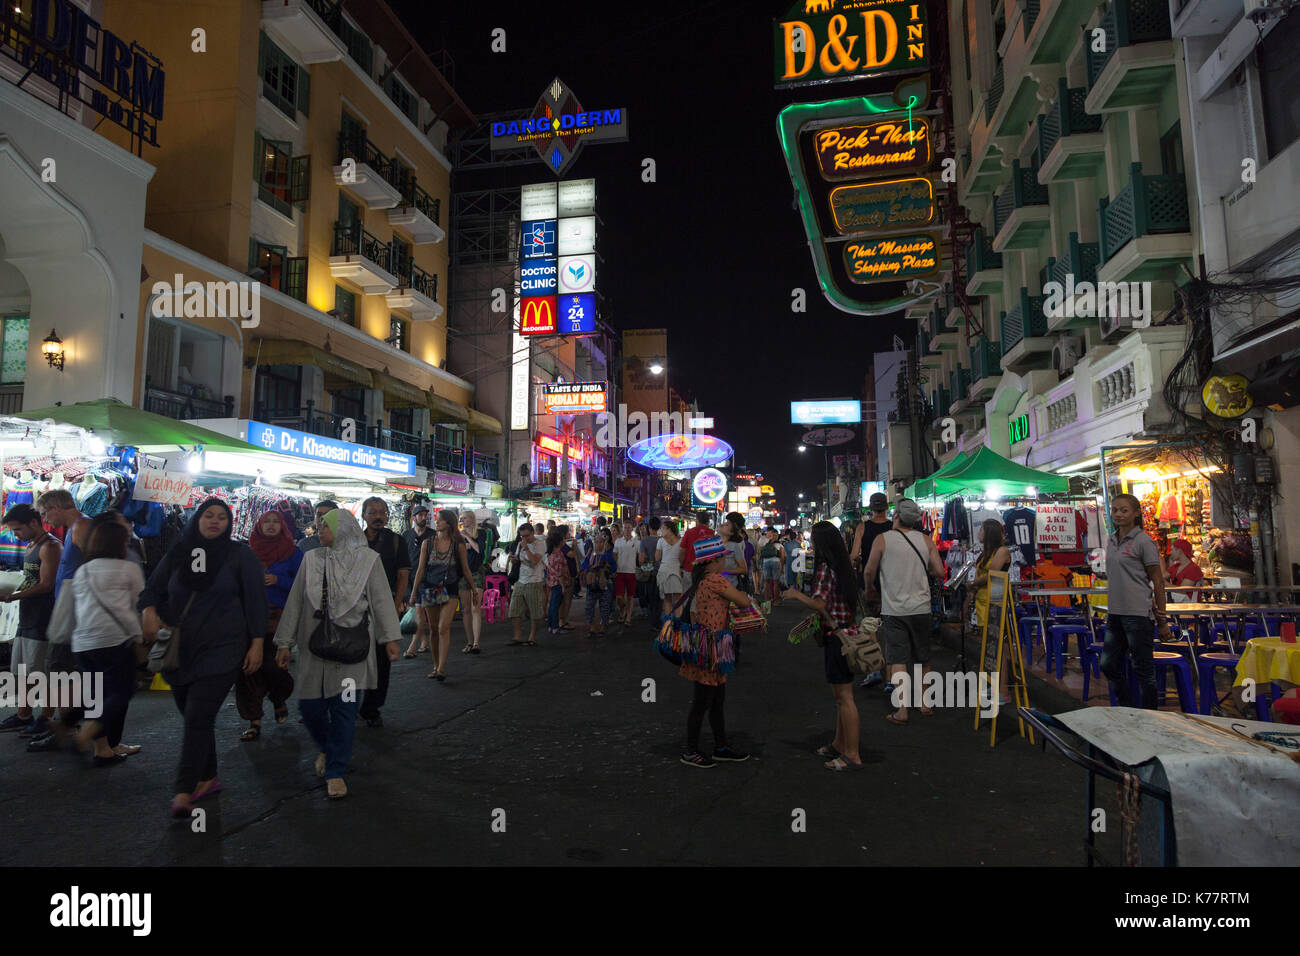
[295, 282]
[300, 181]
[257, 157]
[261, 56]
[304, 90]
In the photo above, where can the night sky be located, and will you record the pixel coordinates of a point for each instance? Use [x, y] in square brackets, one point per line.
[713, 249]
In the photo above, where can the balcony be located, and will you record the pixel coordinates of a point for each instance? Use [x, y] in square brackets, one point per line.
[443, 456]
[986, 368]
[958, 386]
[360, 257]
[309, 419]
[11, 399]
[417, 215]
[1070, 140]
[1145, 231]
[417, 295]
[308, 27]
[371, 176]
[926, 355]
[182, 407]
[1025, 342]
[1137, 64]
[983, 266]
[1078, 265]
[485, 466]
[1021, 216]
[940, 402]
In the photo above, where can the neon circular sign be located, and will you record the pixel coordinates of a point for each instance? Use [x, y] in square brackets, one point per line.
[679, 452]
[710, 486]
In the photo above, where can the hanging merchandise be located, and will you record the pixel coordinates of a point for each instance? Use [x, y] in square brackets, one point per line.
[1019, 525]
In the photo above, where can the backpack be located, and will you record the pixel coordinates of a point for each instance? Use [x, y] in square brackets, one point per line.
[769, 551]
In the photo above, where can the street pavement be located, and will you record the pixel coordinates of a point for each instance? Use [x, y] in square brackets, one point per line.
[557, 744]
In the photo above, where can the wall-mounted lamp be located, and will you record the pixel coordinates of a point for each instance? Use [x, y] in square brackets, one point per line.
[52, 349]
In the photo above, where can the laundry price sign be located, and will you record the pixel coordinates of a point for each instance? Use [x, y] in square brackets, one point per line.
[825, 41]
[867, 207]
[888, 260]
[890, 146]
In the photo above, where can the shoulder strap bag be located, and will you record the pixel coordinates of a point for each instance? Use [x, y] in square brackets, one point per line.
[936, 586]
[333, 642]
[165, 655]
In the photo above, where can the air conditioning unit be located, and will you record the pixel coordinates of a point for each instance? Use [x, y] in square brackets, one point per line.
[1066, 353]
[900, 451]
[1112, 327]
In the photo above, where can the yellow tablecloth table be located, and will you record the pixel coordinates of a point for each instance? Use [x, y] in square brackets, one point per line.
[1268, 659]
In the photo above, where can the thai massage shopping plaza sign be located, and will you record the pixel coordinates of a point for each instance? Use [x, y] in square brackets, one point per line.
[824, 41]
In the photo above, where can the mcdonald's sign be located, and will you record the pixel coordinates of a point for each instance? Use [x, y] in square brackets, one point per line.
[537, 315]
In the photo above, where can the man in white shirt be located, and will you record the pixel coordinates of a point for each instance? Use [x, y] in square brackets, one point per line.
[625, 553]
[527, 594]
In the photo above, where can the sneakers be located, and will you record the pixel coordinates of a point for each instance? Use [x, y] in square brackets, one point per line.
[696, 759]
[727, 754]
[43, 744]
[14, 722]
[871, 680]
[36, 727]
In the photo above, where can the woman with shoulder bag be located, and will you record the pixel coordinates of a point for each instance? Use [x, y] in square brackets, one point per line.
[476, 544]
[208, 589]
[443, 565]
[338, 609]
[97, 609]
[274, 547]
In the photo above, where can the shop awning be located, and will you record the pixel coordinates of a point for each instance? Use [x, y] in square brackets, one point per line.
[924, 488]
[117, 424]
[484, 424]
[988, 473]
[293, 352]
[445, 411]
[399, 394]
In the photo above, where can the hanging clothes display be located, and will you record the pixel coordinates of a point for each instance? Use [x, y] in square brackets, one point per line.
[1019, 525]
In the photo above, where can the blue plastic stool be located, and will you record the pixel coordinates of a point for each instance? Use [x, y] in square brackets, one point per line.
[1058, 642]
[1182, 679]
[1219, 633]
[1090, 659]
[1030, 634]
[1208, 663]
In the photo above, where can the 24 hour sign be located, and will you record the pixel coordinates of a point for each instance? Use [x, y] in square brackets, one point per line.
[850, 152]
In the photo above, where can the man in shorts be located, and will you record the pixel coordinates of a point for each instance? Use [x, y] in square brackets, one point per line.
[904, 558]
[31, 650]
[526, 598]
[625, 554]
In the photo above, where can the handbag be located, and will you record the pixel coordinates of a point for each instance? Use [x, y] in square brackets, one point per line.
[333, 642]
[744, 619]
[936, 586]
[680, 642]
[165, 655]
[860, 648]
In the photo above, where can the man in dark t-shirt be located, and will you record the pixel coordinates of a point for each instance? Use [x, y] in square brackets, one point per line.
[396, 559]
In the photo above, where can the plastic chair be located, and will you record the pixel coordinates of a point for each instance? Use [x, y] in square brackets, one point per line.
[1030, 634]
[1208, 663]
[1090, 658]
[1219, 633]
[1058, 642]
[491, 605]
[498, 582]
[1182, 679]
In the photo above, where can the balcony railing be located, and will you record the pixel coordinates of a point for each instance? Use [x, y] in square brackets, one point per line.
[980, 255]
[442, 456]
[1079, 261]
[985, 359]
[422, 282]
[1031, 16]
[1065, 117]
[1025, 320]
[485, 466]
[181, 406]
[415, 196]
[351, 239]
[1148, 204]
[404, 443]
[310, 419]
[994, 96]
[1023, 190]
[11, 399]
[940, 402]
[959, 383]
[1126, 23]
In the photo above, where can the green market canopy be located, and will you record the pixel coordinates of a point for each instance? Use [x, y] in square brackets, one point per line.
[117, 424]
[987, 473]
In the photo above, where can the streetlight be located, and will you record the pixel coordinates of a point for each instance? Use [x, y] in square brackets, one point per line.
[656, 367]
[803, 447]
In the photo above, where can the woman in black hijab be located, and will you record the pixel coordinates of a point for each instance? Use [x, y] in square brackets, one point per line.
[210, 589]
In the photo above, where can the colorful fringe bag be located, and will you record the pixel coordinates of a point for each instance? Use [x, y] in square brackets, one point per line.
[681, 642]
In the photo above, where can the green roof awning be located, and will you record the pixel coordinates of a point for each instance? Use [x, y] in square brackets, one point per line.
[117, 424]
[985, 472]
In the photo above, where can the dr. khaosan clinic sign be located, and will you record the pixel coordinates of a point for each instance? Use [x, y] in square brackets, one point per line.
[824, 41]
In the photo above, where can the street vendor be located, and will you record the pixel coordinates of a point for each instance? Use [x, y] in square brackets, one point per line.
[1135, 593]
[1182, 570]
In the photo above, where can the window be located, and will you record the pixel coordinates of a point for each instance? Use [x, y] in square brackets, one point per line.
[349, 212]
[401, 259]
[273, 186]
[399, 333]
[1171, 151]
[401, 95]
[402, 420]
[359, 47]
[184, 359]
[284, 83]
[345, 303]
[281, 272]
[402, 176]
[1279, 75]
[354, 133]
[349, 403]
[278, 389]
[13, 349]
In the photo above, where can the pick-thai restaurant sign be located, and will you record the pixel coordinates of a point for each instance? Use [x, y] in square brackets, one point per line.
[867, 207]
[891, 259]
[825, 41]
[164, 487]
[890, 146]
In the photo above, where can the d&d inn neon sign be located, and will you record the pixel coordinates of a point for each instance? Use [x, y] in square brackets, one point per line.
[849, 40]
[892, 259]
[59, 43]
[849, 152]
[1018, 428]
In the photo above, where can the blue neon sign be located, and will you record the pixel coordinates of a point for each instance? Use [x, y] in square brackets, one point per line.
[577, 313]
[286, 441]
[826, 413]
[538, 238]
[538, 277]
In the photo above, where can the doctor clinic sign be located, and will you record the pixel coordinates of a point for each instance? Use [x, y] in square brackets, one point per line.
[825, 41]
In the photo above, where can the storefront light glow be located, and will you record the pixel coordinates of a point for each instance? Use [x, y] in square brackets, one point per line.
[674, 452]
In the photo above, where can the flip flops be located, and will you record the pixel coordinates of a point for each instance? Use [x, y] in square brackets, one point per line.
[840, 765]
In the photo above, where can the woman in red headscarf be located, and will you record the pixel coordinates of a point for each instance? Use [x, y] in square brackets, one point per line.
[273, 544]
[1182, 570]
